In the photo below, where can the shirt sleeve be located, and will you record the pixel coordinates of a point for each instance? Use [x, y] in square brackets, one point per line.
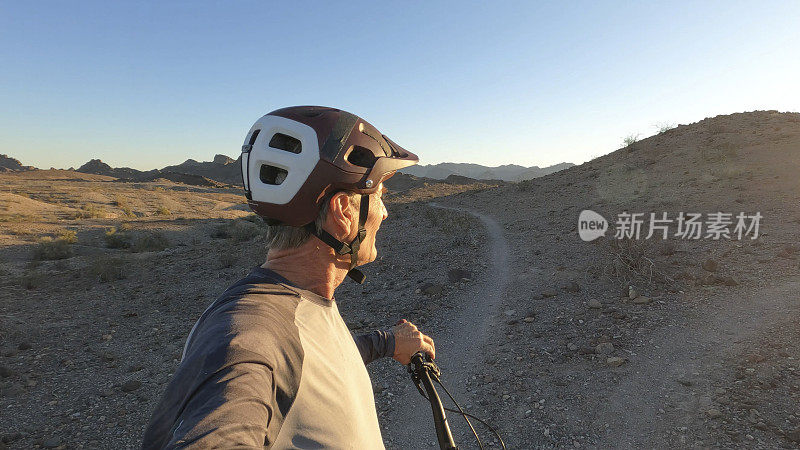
[229, 410]
[374, 345]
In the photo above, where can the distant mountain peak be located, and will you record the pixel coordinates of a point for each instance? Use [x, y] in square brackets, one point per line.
[95, 166]
[9, 164]
[223, 160]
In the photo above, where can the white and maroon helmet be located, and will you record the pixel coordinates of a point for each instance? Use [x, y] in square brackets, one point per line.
[292, 158]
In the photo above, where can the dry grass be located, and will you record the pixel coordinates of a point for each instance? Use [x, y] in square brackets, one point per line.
[108, 268]
[151, 241]
[52, 249]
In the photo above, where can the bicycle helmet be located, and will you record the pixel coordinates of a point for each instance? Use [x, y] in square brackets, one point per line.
[292, 158]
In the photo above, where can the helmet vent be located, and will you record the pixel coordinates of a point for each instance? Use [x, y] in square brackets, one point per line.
[360, 156]
[272, 175]
[281, 141]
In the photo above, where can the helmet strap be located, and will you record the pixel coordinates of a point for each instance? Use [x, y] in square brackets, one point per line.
[344, 249]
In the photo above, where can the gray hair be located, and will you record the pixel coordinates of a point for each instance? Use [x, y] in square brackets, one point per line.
[282, 237]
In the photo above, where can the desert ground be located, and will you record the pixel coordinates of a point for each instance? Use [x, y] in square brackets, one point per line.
[556, 342]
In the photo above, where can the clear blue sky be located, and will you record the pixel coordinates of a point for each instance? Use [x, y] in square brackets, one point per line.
[146, 84]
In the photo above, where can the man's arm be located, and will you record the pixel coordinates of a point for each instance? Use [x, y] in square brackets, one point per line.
[374, 345]
[231, 409]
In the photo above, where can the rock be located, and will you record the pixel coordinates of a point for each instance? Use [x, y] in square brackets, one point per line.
[761, 426]
[619, 315]
[794, 435]
[510, 312]
[755, 358]
[528, 319]
[488, 378]
[713, 413]
[106, 337]
[572, 347]
[710, 265]
[632, 292]
[131, 385]
[604, 348]
[25, 346]
[685, 381]
[572, 287]
[586, 350]
[642, 300]
[729, 281]
[549, 293]
[456, 275]
[432, 289]
[709, 280]
[512, 322]
[595, 304]
[53, 442]
[615, 361]
[6, 372]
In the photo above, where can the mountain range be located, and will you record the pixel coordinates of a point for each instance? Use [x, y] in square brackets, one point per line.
[508, 172]
[226, 170]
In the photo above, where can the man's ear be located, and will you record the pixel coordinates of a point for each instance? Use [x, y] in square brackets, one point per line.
[341, 215]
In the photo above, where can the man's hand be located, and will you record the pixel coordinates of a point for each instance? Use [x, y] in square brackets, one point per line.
[408, 340]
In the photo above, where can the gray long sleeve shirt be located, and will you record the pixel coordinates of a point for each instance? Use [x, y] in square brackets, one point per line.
[271, 365]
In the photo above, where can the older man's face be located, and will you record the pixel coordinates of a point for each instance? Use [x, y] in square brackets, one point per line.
[377, 213]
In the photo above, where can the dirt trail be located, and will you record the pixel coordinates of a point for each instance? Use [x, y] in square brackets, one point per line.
[412, 421]
[673, 385]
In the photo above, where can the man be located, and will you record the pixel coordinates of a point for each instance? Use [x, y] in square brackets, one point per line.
[271, 363]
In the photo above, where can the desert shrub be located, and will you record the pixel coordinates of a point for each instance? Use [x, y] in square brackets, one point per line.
[107, 268]
[151, 241]
[162, 211]
[242, 230]
[158, 189]
[125, 226]
[116, 239]
[90, 212]
[456, 224]
[31, 279]
[632, 261]
[630, 140]
[222, 231]
[68, 236]
[123, 205]
[51, 249]
[663, 127]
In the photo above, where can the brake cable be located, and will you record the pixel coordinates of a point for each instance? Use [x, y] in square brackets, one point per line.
[423, 371]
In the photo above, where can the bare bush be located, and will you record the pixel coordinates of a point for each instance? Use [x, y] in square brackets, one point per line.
[631, 261]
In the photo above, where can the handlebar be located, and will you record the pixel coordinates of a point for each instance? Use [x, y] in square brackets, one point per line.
[422, 368]
[424, 372]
